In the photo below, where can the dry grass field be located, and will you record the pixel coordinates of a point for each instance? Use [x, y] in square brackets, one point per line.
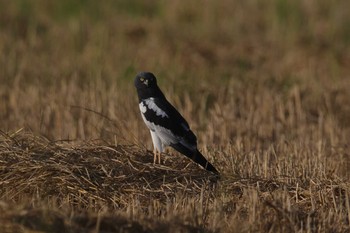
[263, 84]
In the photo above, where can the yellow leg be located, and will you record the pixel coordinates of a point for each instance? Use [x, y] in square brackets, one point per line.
[154, 155]
[159, 157]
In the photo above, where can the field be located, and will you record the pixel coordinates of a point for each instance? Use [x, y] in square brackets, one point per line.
[263, 84]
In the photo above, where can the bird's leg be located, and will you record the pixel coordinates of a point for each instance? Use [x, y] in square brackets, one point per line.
[154, 155]
[159, 156]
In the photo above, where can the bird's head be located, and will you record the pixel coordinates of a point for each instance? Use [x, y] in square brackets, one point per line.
[146, 86]
[145, 80]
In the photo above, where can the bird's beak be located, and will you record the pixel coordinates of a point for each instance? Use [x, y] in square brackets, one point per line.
[145, 82]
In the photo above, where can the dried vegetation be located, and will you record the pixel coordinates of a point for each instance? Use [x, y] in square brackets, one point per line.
[264, 85]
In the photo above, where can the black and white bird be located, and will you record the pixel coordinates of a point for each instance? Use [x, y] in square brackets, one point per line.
[167, 126]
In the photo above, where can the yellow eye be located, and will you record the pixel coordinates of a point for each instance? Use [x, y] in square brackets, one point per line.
[142, 79]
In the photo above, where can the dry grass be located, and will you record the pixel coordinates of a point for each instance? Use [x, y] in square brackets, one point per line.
[264, 85]
[91, 177]
[96, 186]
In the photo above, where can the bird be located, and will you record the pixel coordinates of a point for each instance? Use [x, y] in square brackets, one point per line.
[167, 126]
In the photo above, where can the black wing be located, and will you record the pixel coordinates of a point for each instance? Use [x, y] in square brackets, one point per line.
[186, 142]
[174, 121]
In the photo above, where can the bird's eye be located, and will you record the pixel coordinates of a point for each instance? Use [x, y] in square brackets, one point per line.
[142, 79]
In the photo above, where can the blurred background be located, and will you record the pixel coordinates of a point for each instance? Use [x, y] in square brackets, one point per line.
[265, 86]
[240, 71]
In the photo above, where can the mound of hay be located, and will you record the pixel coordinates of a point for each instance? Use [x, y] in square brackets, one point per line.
[93, 174]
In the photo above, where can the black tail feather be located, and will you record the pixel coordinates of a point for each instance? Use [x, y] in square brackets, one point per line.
[200, 159]
[196, 157]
